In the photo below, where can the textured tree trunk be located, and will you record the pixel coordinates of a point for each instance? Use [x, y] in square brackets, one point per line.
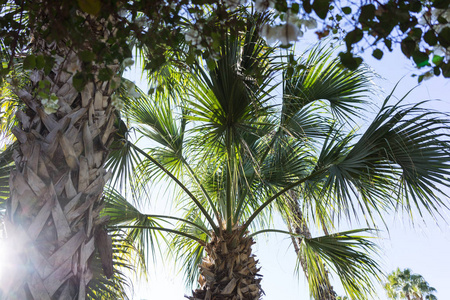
[298, 226]
[53, 221]
[230, 271]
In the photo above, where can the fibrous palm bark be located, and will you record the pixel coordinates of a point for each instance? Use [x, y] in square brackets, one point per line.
[53, 218]
[229, 271]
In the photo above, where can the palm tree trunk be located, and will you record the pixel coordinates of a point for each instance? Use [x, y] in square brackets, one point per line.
[230, 271]
[298, 226]
[53, 221]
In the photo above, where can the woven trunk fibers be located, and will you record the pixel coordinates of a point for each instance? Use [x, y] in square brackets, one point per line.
[53, 221]
[230, 271]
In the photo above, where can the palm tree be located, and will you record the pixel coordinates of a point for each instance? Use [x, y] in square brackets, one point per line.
[72, 57]
[406, 285]
[100, 286]
[54, 213]
[237, 156]
[64, 127]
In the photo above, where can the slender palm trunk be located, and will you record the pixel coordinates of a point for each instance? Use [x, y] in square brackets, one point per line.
[230, 271]
[53, 218]
[298, 226]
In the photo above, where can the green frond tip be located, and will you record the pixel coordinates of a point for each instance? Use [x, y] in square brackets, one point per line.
[348, 254]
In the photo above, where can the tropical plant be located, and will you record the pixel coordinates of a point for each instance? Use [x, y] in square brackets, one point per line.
[237, 154]
[54, 192]
[72, 54]
[407, 285]
[112, 286]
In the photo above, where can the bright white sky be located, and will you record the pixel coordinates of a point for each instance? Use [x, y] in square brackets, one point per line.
[424, 248]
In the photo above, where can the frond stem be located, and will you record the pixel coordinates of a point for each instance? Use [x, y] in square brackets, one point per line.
[181, 220]
[250, 182]
[271, 199]
[216, 213]
[181, 185]
[228, 187]
[201, 242]
[278, 231]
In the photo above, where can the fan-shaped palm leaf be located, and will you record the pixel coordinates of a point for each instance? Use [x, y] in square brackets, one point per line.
[346, 253]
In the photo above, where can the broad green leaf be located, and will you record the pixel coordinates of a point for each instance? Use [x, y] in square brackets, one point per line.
[321, 8]
[377, 53]
[29, 62]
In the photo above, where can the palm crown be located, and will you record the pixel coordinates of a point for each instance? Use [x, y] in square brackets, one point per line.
[238, 154]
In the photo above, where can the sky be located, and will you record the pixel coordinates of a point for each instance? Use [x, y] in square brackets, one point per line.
[422, 245]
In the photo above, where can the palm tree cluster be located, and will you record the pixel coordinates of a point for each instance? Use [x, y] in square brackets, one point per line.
[407, 285]
[252, 134]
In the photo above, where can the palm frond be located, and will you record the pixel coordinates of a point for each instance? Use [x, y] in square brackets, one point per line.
[409, 145]
[321, 77]
[348, 254]
[123, 161]
[403, 152]
[232, 94]
[188, 253]
[123, 214]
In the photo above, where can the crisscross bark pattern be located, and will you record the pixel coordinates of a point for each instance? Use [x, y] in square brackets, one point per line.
[230, 270]
[53, 212]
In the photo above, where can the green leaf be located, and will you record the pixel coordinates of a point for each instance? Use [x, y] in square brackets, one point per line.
[347, 10]
[437, 59]
[436, 71]
[86, 56]
[420, 58]
[349, 61]
[415, 6]
[349, 254]
[442, 20]
[90, 6]
[321, 7]
[79, 81]
[444, 37]
[377, 53]
[420, 78]
[307, 6]
[388, 44]
[281, 6]
[443, 4]
[190, 59]
[211, 64]
[367, 12]
[408, 46]
[430, 38]
[353, 37]
[416, 33]
[40, 61]
[29, 62]
[105, 74]
[289, 71]
[445, 67]
[295, 8]
[49, 63]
